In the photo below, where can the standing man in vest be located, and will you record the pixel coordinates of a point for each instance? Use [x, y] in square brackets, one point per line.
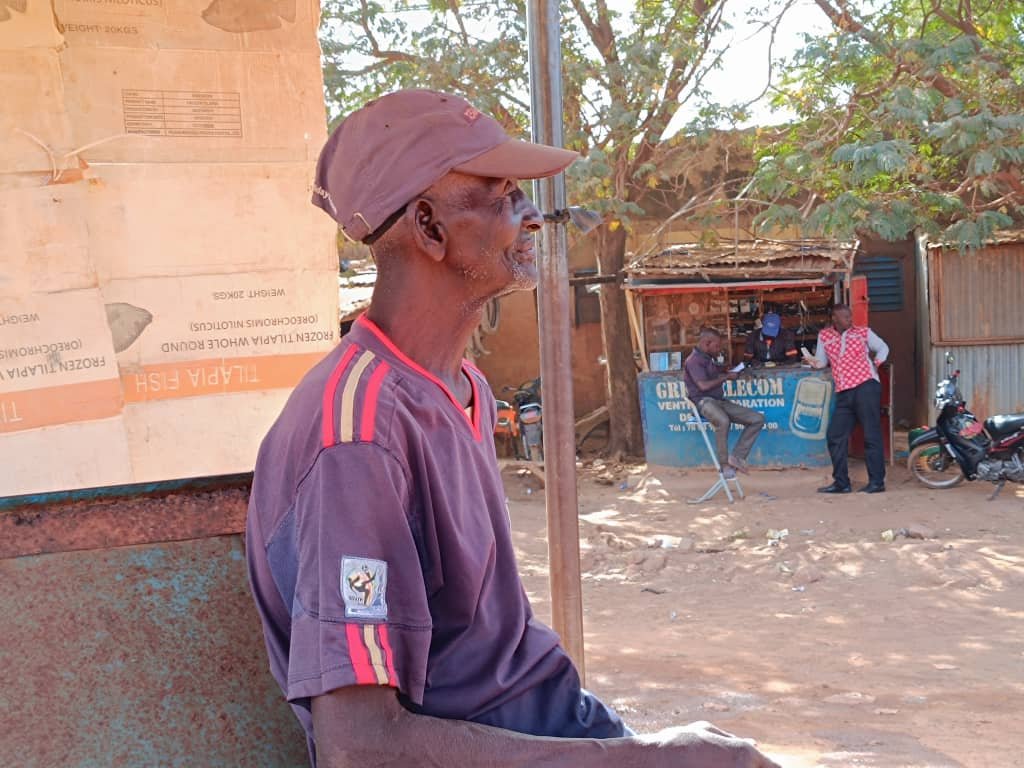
[854, 354]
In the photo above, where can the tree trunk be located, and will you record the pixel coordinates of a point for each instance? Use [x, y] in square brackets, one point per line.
[625, 431]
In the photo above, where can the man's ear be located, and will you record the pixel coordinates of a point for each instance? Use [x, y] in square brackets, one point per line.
[428, 230]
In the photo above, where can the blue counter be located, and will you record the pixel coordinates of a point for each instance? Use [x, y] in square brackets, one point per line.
[797, 404]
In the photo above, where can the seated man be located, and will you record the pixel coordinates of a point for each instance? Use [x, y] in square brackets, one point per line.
[772, 344]
[378, 539]
[704, 379]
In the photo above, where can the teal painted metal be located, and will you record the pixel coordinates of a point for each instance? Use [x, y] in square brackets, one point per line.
[124, 491]
[138, 656]
[797, 404]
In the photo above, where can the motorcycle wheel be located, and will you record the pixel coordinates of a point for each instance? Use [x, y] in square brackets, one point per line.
[932, 465]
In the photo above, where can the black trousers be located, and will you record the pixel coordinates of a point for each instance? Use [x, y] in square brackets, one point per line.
[860, 405]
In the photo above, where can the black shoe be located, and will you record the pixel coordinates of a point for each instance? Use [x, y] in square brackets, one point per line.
[873, 488]
[835, 488]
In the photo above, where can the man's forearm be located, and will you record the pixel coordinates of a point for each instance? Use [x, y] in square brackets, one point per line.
[407, 739]
[366, 727]
[878, 348]
[710, 384]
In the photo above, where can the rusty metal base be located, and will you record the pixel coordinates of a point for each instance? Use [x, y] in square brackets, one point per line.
[138, 656]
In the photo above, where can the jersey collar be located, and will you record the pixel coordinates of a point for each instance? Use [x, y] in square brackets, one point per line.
[364, 323]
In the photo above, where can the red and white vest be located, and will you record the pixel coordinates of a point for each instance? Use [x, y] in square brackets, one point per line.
[852, 366]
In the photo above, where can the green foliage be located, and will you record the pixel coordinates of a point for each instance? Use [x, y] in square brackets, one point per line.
[624, 77]
[909, 112]
[911, 116]
[372, 48]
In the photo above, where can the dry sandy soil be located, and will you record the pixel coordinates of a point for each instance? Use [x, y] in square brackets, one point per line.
[830, 646]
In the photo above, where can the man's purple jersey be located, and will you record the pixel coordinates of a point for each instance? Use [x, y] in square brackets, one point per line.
[380, 552]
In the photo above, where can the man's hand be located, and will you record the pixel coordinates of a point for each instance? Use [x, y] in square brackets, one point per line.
[702, 745]
[730, 376]
[813, 362]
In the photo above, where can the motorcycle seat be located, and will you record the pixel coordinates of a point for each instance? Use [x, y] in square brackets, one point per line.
[1000, 426]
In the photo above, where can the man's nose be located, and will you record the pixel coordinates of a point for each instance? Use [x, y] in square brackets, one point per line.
[532, 219]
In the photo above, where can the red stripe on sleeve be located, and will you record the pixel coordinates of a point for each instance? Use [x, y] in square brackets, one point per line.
[389, 657]
[327, 429]
[369, 415]
[359, 656]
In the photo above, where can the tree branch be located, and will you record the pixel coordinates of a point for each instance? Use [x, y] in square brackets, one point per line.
[453, 6]
[771, 50]
[963, 25]
[603, 39]
[843, 20]
[386, 60]
[680, 75]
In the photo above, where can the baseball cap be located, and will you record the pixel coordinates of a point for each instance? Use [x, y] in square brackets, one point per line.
[392, 149]
[771, 325]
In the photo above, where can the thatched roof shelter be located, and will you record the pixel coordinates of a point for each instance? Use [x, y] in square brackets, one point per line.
[744, 260]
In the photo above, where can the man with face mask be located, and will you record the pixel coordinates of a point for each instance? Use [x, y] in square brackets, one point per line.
[771, 344]
[378, 539]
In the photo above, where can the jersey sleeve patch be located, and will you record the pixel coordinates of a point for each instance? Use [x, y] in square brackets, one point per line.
[364, 584]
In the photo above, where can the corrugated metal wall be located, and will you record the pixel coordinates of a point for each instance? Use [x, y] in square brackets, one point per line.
[991, 377]
[979, 296]
[975, 299]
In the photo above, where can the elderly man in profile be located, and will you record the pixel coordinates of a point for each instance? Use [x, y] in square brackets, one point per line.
[378, 538]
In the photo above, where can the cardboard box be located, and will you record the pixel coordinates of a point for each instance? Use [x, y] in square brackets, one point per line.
[230, 25]
[32, 114]
[164, 279]
[222, 431]
[45, 240]
[159, 106]
[57, 364]
[160, 81]
[206, 219]
[28, 24]
[223, 317]
[89, 454]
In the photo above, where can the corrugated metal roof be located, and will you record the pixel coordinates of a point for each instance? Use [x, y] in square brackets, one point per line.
[747, 259]
[999, 238]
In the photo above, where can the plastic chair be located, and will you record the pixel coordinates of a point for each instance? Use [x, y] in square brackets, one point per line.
[722, 484]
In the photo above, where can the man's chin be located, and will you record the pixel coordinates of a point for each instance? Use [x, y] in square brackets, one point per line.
[516, 287]
[524, 277]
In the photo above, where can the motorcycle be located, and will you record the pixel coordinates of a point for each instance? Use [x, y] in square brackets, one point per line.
[960, 447]
[522, 421]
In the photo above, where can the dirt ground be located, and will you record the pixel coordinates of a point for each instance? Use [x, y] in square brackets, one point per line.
[827, 644]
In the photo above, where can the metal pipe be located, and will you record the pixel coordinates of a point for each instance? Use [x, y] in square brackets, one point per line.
[545, 54]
